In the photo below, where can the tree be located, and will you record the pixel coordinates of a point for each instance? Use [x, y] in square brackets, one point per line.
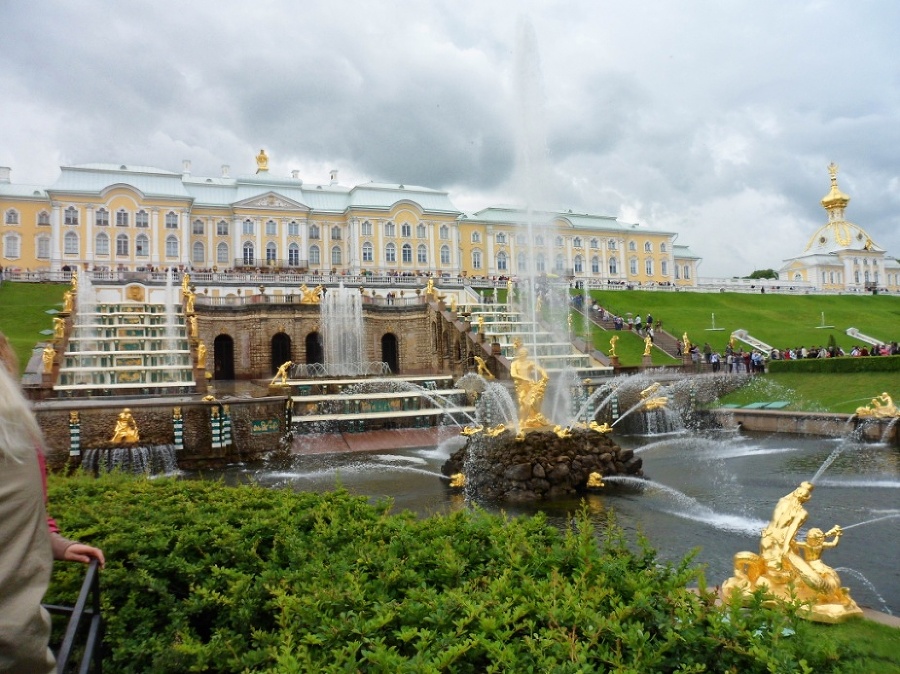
[764, 273]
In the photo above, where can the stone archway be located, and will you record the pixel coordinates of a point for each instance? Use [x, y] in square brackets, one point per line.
[223, 358]
[281, 350]
[390, 353]
[315, 351]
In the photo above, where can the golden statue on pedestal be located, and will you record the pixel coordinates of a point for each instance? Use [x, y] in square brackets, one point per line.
[48, 356]
[881, 407]
[531, 385]
[792, 570]
[68, 302]
[74, 279]
[185, 283]
[310, 295]
[59, 328]
[189, 298]
[430, 292]
[283, 372]
[483, 368]
[612, 346]
[126, 430]
[648, 345]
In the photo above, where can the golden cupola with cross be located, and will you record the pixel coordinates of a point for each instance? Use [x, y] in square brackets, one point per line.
[838, 233]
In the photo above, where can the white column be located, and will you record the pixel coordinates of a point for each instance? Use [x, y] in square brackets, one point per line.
[155, 258]
[89, 234]
[55, 236]
[237, 251]
[491, 267]
[185, 243]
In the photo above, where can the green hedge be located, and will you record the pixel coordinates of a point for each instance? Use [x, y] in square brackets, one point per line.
[202, 577]
[843, 364]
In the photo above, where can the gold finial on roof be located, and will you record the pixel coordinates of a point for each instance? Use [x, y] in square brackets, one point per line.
[262, 161]
[835, 198]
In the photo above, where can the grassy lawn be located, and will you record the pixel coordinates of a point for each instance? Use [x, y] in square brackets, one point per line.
[780, 320]
[23, 314]
[866, 647]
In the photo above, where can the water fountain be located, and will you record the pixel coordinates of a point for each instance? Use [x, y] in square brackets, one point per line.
[342, 327]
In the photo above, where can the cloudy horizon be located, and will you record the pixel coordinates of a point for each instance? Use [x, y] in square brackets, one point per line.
[714, 120]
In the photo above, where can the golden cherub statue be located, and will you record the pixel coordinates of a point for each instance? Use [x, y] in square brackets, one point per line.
[499, 429]
[792, 570]
[483, 368]
[283, 372]
[648, 345]
[612, 346]
[126, 430]
[600, 428]
[881, 407]
[430, 292]
[531, 385]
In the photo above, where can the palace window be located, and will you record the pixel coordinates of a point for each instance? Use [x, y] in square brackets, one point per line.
[501, 237]
[198, 253]
[476, 237]
[71, 216]
[43, 247]
[613, 266]
[271, 252]
[43, 219]
[171, 247]
[663, 248]
[271, 228]
[444, 232]
[294, 255]
[445, 254]
[595, 265]
[476, 259]
[577, 242]
[632, 246]
[293, 228]
[141, 246]
[559, 242]
[648, 267]
[249, 228]
[12, 217]
[101, 218]
[540, 265]
[335, 256]
[368, 252]
[70, 243]
[595, 244]
[559, 264]
[422, 254]
[687, 271]
[366, 229]
[171, 220]
[502, 264]
[101, 244]
[197, 228]
[664, 268]
[389, 229]
[335, 233]
[12, 246]
[522, 263]
[579, 264]
[122, 245]
[405, 230]
[420, 231]
[611, 244]
[633, 266]
[249, 253]
[648, 247]
[314, 257]
[407, 253]
[141, 219]
[390, 253]
[222, 254]
[221, 228]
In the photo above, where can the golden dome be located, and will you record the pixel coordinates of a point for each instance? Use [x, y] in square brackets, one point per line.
[835, 198]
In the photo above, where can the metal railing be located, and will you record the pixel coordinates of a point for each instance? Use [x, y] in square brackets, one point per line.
[84, 616]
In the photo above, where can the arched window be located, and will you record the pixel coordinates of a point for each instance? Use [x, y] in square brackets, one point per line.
[271, 228]
[12, 246]
[70, 243]
[366, 228]
[101, 217]
[613, 266]
[294, 255]
[662, 248]
[335, 256]
[172, 246]
[445, 254]
[611, 244]
[248, 228]
[559, 263]
[314, 256]
[171, 220]
[71, 216]
[420, 231]
[648, 247]
[141, 219]
[390, 253]
[577, 242]
[293, 228]
[595, 265]
[198, 253]
[314, 232]
[122, 245]
[595, 243]
[406, 230]
[476, 237]
[335, 233]
[43, 247]
[664, 268]
[521, 263]
[222, 256]
[444, 232]
[141, 246]
[271, 253]
[421, 254]
[249, 253]
[476, 259]
[43, 219]
[390, 229]
[539, 264]
[632, 246]
[407, 253]
[648, 267]
[501, 237]
[368, 252]
[198, 228]
[222, 228]
[101, 244]
[579, 264]
[633, 266]
[502, 264]
[559, 241]
[12, 217]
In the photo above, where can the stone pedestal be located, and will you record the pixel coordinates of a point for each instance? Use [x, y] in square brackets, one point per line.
[646, 361]
[278, 389]
[614, 361]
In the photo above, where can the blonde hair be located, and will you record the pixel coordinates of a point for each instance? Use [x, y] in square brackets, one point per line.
[19, 430]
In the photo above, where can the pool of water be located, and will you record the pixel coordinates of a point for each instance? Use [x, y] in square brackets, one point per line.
[709, 493]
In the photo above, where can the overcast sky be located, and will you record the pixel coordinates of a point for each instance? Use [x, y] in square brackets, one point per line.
[716, 118]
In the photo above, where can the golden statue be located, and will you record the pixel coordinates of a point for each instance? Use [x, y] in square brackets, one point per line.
[126, 429]
[792, 570]
[59, 328]
[430, 292]
[453, 304]
[283, 372]
[74, 279]
[68, 302]
[509, 291]
[648, 345]
[600, 428]
[201, 356]
[538, 305]
[595, 481]
[481, 324]
[310, 295]
[457, 480]
[471, 430]
[686, 343]
[48, 356]
[881, 407]
[188, 301]
[185, 283]
[612, 346]
[531, 385]
[262, 161]
[499, 429]
[192, 327]
[651, 400]
[562, 431]
[483, 368]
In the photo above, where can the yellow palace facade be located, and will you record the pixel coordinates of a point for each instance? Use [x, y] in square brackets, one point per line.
[126, 217]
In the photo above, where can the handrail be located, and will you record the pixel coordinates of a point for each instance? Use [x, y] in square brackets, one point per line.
[90, 591]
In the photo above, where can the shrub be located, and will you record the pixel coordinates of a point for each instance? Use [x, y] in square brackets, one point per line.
[202, 577]
[837, 365]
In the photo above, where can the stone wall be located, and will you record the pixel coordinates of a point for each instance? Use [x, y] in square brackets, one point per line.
[808, 423]
[541, 465]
